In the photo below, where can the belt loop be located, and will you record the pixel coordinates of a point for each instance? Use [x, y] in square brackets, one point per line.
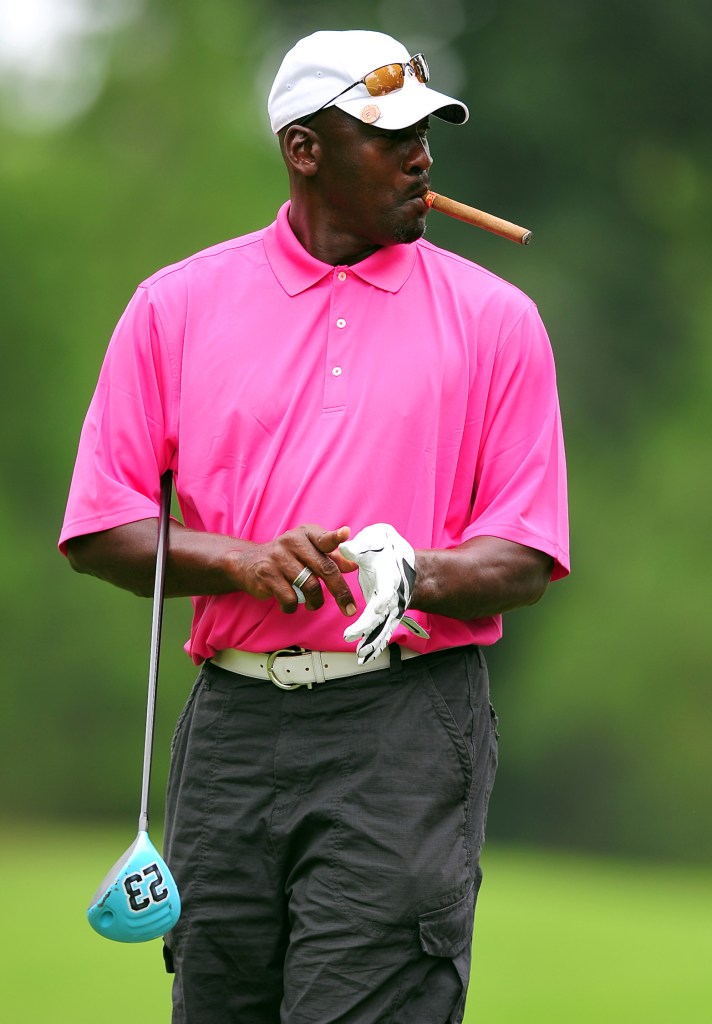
[319, 676]
[395, 652]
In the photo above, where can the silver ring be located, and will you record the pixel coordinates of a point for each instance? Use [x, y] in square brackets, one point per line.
[301, 579]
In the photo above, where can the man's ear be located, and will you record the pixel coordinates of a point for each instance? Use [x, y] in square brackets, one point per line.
[302, 150]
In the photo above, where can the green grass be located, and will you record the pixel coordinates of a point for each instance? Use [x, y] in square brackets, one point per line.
[559, 939]
[576, 940]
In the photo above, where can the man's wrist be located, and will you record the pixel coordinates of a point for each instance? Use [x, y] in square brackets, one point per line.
[204, 563]
[233, 563]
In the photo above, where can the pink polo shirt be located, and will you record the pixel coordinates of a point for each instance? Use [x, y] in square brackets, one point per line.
[413, 388]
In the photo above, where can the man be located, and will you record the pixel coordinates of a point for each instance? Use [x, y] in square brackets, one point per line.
[331, 392]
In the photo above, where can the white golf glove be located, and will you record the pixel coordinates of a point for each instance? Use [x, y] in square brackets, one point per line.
[386, 574]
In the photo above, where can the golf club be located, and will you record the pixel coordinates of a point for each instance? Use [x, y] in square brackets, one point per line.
[138, 900]
[479, 218]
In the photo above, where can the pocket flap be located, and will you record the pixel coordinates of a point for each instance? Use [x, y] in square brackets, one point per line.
[447, 931]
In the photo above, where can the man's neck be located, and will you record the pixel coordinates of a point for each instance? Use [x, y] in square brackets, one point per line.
[327, 242]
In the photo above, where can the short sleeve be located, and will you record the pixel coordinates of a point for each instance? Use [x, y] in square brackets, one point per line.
[520, 484]
[126, 441]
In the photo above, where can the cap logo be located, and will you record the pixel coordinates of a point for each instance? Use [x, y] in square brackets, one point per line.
[370, 113]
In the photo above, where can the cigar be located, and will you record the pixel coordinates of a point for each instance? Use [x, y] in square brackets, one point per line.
[479, 218]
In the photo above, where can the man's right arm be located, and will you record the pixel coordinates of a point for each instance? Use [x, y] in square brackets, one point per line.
[207, 563]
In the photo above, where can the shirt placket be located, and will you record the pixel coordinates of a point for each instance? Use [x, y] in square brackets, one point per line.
[339, 328]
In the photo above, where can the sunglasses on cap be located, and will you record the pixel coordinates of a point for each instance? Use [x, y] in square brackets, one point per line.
[384, 80]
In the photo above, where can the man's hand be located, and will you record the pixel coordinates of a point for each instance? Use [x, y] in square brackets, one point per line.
[309, 554]
[386, 573]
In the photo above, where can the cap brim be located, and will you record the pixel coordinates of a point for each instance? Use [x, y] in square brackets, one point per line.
[404, 107]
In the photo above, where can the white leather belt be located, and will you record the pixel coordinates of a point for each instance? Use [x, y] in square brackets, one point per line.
[289, 668]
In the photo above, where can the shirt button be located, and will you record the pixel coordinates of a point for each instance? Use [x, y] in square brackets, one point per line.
[341, 322]
[342, 275]
[336, 371]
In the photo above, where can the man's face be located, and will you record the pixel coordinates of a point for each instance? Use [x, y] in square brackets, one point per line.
[372, 181]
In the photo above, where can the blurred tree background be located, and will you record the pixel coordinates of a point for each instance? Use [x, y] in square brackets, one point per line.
[134, 132]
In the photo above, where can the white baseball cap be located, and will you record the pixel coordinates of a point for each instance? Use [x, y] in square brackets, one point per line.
[323, 65]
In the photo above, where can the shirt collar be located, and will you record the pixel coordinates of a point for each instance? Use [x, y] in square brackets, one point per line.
[296, 270]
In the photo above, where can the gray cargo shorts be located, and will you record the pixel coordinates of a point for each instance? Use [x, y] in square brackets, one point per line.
[326, 844]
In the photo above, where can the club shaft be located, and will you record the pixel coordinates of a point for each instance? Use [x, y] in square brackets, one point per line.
[479, 218]
[156, 623]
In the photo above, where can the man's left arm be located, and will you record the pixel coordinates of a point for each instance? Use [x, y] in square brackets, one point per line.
[484, 576]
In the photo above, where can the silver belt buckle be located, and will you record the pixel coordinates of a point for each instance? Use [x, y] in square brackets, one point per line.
[272, 657]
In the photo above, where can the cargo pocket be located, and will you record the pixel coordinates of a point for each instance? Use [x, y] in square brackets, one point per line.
[447, 933]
